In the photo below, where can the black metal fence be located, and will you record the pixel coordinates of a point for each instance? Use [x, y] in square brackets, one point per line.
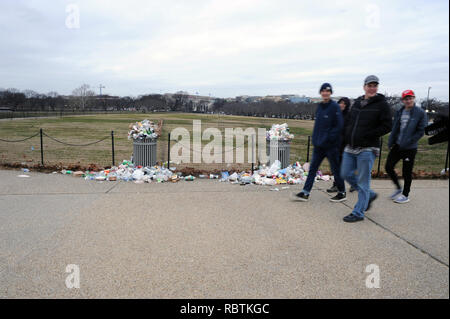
[41, 134]
[164, 157]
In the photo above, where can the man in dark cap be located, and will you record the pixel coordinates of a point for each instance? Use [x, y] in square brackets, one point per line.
[326, 139]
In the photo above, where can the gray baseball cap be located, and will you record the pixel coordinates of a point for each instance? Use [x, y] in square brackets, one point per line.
[371, 79]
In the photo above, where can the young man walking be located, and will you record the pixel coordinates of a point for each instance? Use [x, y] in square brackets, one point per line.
[370, 118]
[326, 139]
[408, 127]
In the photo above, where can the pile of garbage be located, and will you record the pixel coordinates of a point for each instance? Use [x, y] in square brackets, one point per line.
[265, 175]
[144, 129]
[273, 175]
[279, 132]
[128, 172]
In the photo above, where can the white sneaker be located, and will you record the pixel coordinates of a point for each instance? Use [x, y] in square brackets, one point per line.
[395, 194]
[401, 199]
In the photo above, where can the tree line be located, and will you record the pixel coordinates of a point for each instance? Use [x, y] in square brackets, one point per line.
[84, 98]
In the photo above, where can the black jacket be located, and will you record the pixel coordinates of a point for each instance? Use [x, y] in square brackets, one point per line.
[367, 122]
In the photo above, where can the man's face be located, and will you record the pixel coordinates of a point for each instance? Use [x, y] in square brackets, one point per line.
[371, 89]
[342, 105]
[409, 101]
[325, 94]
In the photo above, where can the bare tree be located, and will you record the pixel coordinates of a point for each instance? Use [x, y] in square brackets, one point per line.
[53, 94]
[30, 94]
[82, 95]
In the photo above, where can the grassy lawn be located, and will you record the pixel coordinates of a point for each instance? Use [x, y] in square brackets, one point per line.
[89, 128]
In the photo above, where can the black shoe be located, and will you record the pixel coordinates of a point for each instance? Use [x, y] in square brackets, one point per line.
[353, 218]
[302, 197]
[340, 197]
[352, 189]
[333, 189]
[370, 201]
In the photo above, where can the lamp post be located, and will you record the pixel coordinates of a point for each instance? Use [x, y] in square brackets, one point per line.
[428, 98]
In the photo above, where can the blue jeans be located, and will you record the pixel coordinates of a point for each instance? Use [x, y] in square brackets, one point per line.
[362, 163]
[318, 156]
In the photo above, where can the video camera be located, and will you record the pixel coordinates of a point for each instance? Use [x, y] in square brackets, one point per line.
[438, 130]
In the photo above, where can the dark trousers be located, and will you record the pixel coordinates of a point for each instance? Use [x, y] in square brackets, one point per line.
[340, 161]
[408, 156]
[319, 155]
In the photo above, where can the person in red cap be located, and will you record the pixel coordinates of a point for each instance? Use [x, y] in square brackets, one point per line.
[407, 129]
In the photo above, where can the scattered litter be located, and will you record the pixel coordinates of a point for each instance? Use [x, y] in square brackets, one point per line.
[306, 167]
[128, 172]
[273, 175]
[23, 176]
[189, 178]
[275, 189]
[78, 174]
[25, 170]
[233, 177]
[225, 176]
[279, 132]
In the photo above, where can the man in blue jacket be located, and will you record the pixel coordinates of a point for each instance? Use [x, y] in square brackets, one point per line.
[326, 139]
[408, 127]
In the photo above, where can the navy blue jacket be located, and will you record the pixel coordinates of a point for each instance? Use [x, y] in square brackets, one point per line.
[414, 130]
[328, 125]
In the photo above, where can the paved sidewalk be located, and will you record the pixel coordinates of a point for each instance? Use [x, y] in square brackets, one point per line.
[206, 239]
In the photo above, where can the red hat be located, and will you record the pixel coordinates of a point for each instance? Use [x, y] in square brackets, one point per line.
[408, 93]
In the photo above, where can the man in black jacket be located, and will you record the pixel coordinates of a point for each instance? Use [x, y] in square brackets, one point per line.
[369, 119]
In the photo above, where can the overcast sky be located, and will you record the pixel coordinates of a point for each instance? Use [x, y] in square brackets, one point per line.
[225, 48]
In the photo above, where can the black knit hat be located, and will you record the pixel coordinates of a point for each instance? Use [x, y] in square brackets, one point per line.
[326, 86]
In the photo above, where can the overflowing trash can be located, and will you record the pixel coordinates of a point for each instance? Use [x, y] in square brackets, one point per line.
[144, 152]
[144, 135]
[279, 144]
[279, 150]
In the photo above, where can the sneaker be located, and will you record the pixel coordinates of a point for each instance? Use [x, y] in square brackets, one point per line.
[401, 199]
[333, 189]
[371, 200]
[340, 197]
[352, 218]
[395, 194]
[302, 197]
[352, 189]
